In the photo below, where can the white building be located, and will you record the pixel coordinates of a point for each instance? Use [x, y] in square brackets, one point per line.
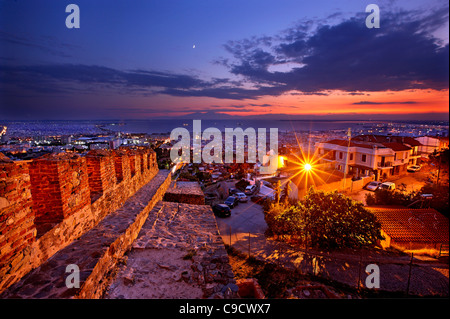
[364, 158]
[432, 143]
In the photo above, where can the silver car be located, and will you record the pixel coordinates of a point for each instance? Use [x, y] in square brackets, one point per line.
[373, 186]
[242, 197]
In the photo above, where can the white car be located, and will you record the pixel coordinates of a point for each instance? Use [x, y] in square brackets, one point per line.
[373, 186]
[387, 185]
[250, 189]
[242, 197]
[413, 168]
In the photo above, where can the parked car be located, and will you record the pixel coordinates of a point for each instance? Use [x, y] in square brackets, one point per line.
[242, 197]
[387, 185]
[232, 201]
[250, 189]
[267, 184]
[222, 210]
[373, 186]
[232, 191]
[413, 168]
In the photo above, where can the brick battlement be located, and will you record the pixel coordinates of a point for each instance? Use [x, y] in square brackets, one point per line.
[48, 202]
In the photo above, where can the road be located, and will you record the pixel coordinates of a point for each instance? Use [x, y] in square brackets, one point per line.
[245, 218]
[413, 181]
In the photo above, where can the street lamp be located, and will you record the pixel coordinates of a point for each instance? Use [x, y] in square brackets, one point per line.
[307, 167]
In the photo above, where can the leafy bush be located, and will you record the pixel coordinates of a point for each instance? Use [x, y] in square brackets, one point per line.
[284, 219]
[326, 220]
[337, 221]
[388, 197]
[440, 200]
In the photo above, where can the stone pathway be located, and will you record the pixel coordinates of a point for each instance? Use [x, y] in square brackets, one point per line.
[179, 253]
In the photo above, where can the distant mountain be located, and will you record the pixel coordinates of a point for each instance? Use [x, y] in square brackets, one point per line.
[212, 115]
[207, 115]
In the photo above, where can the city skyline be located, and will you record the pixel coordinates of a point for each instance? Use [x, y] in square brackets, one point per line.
[255, 59]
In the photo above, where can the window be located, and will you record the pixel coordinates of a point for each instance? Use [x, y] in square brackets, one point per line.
[341, 155]
[364, 157]
[351, 156]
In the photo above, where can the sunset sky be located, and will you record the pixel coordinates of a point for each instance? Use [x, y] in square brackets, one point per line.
[145, 59]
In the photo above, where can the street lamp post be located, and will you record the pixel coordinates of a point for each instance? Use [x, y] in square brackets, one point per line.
[349, 134]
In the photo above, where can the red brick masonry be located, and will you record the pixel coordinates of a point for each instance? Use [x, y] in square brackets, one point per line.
[48, 202]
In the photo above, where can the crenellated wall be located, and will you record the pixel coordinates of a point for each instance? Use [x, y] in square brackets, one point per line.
[59, 188]
[17, 227]
[47, 203]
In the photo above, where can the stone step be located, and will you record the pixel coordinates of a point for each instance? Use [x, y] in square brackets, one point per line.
[96, 253]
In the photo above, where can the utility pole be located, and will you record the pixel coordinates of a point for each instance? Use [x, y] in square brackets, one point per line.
[439, 170]
[349, 134]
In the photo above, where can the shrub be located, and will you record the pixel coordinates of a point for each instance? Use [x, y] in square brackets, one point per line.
[285, 219]
[337, 221]
[388, 197]
[326, 220]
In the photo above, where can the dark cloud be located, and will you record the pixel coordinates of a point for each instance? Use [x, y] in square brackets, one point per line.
[376, 103]
[347, 56]
[71, 78]
[46, 44]
[230, 106]
[261, 105]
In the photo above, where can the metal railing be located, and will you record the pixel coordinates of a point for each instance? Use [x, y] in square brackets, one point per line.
[405, 275]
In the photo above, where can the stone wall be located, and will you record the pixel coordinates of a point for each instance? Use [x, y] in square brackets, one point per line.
[59, 188]
[48, 202]
[185, 192]
[17, 227]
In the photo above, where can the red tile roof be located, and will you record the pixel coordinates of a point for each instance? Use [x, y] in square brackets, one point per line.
[352, 144]
[397, 146]
[386, 139]
[413, 225]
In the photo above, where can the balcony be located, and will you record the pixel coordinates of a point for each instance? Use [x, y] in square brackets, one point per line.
[399, 162]
[385, 165]
[328, 157]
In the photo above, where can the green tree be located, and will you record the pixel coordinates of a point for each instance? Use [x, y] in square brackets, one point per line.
[325, 220]
[336, 221]
[388, 197]
[284, 219]
[287, 191]
[440, 200]
[277, 192]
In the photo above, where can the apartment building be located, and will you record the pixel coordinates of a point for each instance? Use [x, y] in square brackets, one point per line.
[365, 158]
[429, 144]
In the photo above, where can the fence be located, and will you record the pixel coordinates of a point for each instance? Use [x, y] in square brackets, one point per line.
[443, 250]
[405, 275]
